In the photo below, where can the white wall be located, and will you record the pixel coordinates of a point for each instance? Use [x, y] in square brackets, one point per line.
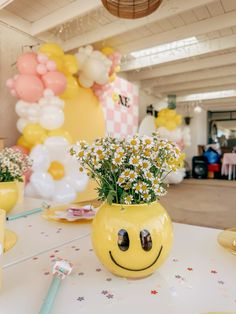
[198, 130]
[12, 44]
[144, 101]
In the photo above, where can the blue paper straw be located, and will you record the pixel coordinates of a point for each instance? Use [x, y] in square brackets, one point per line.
[51, 296]
[24, 214]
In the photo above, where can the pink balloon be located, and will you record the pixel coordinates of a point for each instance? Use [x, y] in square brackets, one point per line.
[51, 65]
[42, 58]
[41, 69]
[21, 149]
[13, 92]
[10, 83]
[55, 81]
[27, 63]
[27, 175]
[16, 76]
[29, 88]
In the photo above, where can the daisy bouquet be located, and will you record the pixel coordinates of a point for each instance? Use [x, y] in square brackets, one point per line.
[131, 170]
[13, 165]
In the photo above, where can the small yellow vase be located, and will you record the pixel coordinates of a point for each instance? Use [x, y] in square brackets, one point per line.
[132, 241]
[8, 195]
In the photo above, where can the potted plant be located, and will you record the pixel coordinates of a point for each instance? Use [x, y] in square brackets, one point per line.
[13, 165]
[132, 232]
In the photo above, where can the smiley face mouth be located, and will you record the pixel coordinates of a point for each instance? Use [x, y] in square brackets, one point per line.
[140, 269]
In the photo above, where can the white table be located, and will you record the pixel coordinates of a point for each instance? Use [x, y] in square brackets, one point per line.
[37, 235]
[198, 277]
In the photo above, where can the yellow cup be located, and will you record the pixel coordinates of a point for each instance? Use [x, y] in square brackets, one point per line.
[2, 233]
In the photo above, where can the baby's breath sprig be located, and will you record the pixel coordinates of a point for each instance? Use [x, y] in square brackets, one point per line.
[13, 165]
[129, 171]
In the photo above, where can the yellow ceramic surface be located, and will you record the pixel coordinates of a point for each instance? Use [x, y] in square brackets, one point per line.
[134, 261]
[8, 195]
[9, 240]
[227, 239]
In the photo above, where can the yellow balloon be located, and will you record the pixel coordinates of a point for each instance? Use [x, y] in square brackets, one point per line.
[34, 134]
[51, 49]
[162, 112]
[107, 51]
[56, 170]
[160, 121]
[72, 88]
[171, 125]
[71, 64]
[61, 132]
[171, 113]
[115, 97]
[22, 142]
[59, 63]
[112, 78]
[117, 68]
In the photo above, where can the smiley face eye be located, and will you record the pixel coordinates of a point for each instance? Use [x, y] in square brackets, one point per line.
[123, 240]
[146, 240]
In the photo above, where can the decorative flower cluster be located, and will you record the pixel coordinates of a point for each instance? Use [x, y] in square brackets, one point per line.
[13, 165]
[129, 171]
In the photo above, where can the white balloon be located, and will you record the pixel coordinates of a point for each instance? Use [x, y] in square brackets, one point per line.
[186, 136]
[147, 126]
[64, 193]
[88, 49]
[44, 102]
[57, 147]
[21, 124]
[43, 184]
[33, 111]
[51, 117]
[33, 119]
[56, 101]
[22, 108]
[40, 157]
[175, 177]
[85, 82]
[30, 191]
[78, 181]
[48, 93]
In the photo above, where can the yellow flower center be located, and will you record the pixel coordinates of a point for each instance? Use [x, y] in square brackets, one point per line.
[133, 142]
[56, 170]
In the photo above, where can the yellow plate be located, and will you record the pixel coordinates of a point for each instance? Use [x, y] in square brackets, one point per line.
[10, 240]
[227, 239]
[49, 214]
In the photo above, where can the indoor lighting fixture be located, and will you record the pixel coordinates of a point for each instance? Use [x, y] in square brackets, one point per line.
[4, 3]
[197, 109]
[165, 47]
[131, 9]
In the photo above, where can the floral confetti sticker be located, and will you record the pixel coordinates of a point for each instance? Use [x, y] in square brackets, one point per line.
[80, 299]
[213, 271]
[154, 292]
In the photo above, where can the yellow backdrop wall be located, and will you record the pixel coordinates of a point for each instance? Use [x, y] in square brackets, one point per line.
[84, 119]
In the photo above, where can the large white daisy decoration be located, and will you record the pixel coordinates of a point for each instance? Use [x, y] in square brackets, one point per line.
[56, 175]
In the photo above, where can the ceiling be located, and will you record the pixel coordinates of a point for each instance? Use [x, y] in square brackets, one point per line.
[207, 64]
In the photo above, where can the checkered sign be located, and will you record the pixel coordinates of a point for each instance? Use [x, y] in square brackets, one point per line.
[120, 106]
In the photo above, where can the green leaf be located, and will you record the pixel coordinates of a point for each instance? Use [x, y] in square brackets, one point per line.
[110, 197]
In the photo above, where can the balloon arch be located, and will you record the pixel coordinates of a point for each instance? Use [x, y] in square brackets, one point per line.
[47, 79]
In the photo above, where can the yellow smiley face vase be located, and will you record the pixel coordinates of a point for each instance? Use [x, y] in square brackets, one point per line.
[132, 241]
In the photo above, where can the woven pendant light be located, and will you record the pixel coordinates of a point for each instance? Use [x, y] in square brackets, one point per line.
[131, 9]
